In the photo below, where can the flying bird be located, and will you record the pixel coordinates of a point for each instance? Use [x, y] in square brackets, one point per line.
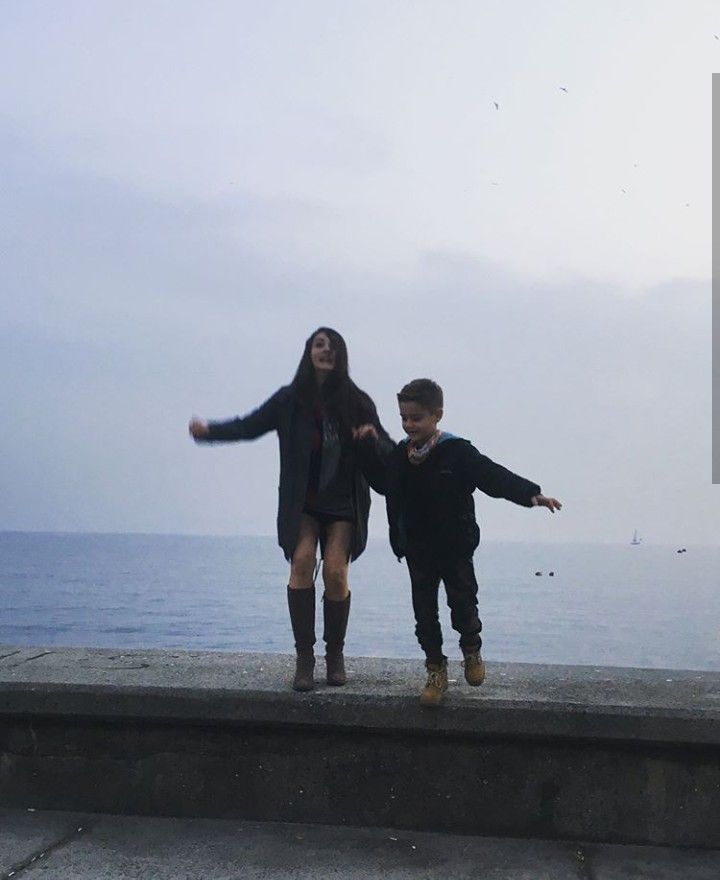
[563, 89]
[497, 106]
[623, 191]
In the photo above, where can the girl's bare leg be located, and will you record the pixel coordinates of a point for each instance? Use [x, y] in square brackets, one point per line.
[336, 560]
[302, 567]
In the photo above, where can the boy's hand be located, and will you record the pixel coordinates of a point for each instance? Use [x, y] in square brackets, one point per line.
[198, 428]
[552, 504]
[365, 431]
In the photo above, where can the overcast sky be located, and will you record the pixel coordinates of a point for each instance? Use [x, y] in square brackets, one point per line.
[189, 189]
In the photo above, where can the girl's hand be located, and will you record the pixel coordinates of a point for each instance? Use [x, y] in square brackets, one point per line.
[552, 504]
[198, 428]
[365, 431]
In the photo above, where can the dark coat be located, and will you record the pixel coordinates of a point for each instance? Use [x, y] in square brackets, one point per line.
[444, 511]
[285, 413]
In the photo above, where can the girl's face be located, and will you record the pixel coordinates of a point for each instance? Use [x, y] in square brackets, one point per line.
[322, 355]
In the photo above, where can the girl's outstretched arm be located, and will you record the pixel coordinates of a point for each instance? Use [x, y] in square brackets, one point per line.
[198, 428]
[373, 457]
[255, 424]
[374, 446]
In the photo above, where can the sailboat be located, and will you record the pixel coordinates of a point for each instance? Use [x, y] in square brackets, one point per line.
[635, 539]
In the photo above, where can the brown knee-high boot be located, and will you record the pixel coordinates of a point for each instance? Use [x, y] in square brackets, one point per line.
[302, 617]
[336, 619]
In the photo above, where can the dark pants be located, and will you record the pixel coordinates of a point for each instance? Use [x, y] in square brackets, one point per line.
[427, 568]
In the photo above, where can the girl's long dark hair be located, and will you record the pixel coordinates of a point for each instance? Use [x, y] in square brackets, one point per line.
[341, 398]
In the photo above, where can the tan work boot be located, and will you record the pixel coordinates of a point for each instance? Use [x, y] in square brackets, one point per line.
[436, 684]
[474, 667]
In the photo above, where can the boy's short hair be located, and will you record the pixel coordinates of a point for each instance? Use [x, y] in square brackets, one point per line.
[422, 391]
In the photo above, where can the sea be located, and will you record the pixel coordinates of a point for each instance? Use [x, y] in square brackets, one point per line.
[591, 604]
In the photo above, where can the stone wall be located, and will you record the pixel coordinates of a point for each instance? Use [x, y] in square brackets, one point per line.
[576, 753]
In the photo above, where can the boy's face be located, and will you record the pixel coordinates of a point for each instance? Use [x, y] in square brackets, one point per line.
[419, 422]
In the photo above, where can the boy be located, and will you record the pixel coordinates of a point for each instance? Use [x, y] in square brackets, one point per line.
[429, 481]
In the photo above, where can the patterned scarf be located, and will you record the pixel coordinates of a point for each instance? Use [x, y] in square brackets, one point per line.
[418, 454]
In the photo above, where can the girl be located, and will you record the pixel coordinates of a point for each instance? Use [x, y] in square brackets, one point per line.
[322, 419]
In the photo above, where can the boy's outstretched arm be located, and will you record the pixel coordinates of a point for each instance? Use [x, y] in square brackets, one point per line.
[552, 504]
[497, 481]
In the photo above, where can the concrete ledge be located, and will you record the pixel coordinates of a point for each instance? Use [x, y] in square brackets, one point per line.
[586, 753]
[655, 706]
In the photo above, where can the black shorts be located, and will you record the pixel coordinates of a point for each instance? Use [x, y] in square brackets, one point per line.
[326, 519]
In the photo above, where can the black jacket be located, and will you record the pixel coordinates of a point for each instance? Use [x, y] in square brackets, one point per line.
[295, 426]
[432, 504]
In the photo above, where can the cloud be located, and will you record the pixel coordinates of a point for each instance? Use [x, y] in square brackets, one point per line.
[125, 313]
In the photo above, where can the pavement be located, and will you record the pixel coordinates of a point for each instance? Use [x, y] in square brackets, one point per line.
[81, 846]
